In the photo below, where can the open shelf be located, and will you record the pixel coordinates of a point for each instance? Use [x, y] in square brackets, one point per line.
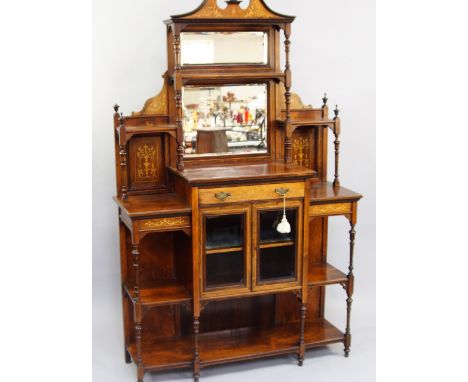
[325, 274]
[165, 292]
[224, 250]
[236, 345]
[277, 244]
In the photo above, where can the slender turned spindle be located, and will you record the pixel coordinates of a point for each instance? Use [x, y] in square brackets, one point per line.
[349, 290]
[123, 161]
[178, 103]
[139, 360]
[302, 339]
[136, 269]
[336, 132]
[196, 359]
[180, 131]
[287, 96]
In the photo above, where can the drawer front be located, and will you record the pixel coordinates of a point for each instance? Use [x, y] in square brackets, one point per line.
[221, 195]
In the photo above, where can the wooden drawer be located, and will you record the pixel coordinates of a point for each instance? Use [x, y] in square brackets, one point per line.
[250, 193]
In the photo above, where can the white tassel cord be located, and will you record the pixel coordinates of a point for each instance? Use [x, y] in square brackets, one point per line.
[284, 226]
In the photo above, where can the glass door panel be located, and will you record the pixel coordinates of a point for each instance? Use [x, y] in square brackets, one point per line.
[277, 261]
[225, 255]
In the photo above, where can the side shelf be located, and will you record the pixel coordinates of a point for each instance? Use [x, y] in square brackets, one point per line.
[162, 293]
[325, 274]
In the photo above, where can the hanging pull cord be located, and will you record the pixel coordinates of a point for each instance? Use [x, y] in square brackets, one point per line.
[284, 226]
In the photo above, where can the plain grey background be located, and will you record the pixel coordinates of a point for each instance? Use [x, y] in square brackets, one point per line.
[333, 51]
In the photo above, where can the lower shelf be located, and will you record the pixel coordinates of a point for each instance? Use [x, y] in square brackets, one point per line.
[236, 345]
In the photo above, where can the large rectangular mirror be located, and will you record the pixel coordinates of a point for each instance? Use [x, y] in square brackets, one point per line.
[216, 48]
[223, 120]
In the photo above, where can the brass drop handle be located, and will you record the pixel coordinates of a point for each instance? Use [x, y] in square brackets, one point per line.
[222, 196]
[282, 191]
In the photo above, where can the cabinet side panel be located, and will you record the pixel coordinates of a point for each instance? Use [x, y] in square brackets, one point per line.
[156, 258]
[160, 323]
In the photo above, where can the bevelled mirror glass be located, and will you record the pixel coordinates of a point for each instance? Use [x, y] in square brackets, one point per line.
[225, 120]
[216, 48]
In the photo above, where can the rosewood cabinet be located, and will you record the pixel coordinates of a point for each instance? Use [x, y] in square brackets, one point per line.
[224, 249]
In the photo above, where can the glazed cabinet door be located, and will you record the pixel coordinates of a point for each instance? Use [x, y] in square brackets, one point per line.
[276, 262]
[225, 251]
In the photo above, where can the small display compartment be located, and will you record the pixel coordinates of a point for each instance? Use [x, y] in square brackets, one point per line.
[277, 263]
[224, 231]
[269, 220]
[224, 269]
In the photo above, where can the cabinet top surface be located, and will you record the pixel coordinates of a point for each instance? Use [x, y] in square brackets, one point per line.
[244, 172]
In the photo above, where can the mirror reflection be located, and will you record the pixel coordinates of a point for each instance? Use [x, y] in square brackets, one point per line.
[220, 120]
[208, 48]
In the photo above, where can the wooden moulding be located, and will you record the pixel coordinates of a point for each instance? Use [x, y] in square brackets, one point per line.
[257, 9]
[157, 105]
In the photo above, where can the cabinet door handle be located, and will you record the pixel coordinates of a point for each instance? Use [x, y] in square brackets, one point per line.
[282, 191]
[222, 196]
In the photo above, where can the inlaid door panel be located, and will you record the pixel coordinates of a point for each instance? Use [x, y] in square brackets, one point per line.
[147, 163]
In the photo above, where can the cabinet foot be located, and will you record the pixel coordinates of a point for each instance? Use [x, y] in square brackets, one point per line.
[128, 357]
[346, 352]
[300, 361]
[196, 377]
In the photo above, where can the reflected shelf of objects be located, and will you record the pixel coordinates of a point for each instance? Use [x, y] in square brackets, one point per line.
[224, 120]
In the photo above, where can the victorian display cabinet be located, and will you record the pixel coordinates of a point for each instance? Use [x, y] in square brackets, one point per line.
[224, 202]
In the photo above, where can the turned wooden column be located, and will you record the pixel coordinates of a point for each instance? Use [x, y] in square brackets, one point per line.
[138, 341]
[178, 103]
[123, 159]
[336, 132]
[302, 338]
[350, 289]
[287, 96]
[196, 359]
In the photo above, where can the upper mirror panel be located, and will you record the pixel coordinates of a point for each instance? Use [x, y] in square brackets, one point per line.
[225, 120]
[220, 48]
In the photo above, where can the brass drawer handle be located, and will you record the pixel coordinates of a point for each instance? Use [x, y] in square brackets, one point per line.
[222, 196]
[282, 191]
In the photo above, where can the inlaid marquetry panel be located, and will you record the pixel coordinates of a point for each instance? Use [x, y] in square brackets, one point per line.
[330, 209]
[146, 163]
[165, 224]
[255, 10]
[303, 142]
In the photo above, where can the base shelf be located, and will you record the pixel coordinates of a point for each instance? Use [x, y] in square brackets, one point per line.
[236, 345]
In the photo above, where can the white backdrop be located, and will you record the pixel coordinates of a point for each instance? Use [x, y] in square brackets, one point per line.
[333, 51]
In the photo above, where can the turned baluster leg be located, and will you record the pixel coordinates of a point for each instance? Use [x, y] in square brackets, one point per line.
[196, 359]
[302, 339]
[349, 291]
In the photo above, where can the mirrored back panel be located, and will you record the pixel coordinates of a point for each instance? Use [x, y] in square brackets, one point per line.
[217, 48]
[225, 120]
